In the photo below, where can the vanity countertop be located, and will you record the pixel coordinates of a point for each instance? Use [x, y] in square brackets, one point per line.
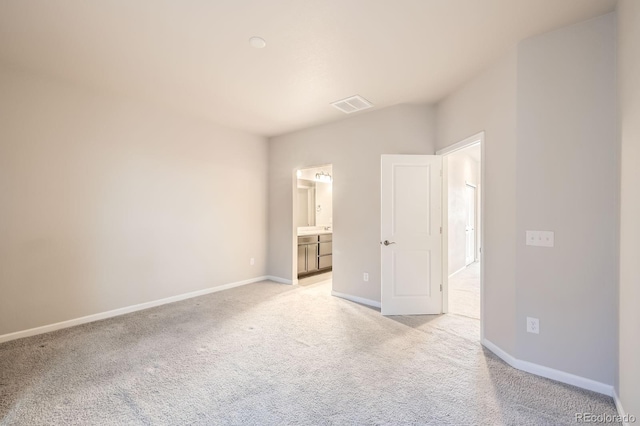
[314, 232]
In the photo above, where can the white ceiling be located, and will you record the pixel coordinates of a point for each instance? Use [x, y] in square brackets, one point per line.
[194, 55]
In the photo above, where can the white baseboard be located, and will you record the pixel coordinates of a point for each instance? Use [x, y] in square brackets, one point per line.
[278, 279]
[549, 373]
[125, 310]
[356, 299]
[620, 409]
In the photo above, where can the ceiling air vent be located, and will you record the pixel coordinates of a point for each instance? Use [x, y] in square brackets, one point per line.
[352, 104]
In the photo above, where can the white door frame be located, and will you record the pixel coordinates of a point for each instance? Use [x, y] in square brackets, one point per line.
[294, 226]
[476, 139]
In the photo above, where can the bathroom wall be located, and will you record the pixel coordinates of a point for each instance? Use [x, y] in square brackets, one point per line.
[324, 204]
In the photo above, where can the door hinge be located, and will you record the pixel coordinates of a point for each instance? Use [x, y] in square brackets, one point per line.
[441, 229]
[440, 172]
[440, 287]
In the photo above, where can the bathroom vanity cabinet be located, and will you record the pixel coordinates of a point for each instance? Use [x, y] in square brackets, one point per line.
[314, 254]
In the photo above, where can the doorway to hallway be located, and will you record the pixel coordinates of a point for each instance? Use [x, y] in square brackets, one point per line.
[462, 220]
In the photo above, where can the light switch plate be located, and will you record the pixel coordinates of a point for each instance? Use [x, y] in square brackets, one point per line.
[547, 238]
[540, 238]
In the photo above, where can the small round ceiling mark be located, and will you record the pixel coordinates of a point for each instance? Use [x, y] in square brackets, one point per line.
[257, 42]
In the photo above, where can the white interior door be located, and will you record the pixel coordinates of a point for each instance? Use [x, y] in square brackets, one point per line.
[411, 239]
[470, 230]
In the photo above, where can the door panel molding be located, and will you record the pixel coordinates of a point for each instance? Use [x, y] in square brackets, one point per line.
[411, 220]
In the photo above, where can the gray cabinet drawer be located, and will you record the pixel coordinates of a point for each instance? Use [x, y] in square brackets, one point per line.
[325, 248]
[308, 239]
[325, 237]
[324, 262]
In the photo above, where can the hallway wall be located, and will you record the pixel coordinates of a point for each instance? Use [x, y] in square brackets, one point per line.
[461, 169]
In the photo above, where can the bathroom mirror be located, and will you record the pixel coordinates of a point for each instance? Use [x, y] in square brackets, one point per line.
[314, 197]
[306, 203]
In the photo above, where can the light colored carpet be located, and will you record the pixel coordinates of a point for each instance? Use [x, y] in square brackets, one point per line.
[269, 353]
[464, 292]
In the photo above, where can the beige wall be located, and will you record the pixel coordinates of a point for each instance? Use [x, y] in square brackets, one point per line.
[567, 182]
[629, 111]
[488, 103]
[538, 165]
[353, 146]
[106, 203]
[461, 169]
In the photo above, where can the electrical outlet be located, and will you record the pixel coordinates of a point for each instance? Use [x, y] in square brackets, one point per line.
[365, 276]
[252, 261]
[533, 325]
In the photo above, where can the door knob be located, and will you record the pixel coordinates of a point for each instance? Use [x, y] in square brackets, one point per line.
[387, 242]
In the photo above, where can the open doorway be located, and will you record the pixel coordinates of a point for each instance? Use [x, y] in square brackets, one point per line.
[313, 224]
[462, 237]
